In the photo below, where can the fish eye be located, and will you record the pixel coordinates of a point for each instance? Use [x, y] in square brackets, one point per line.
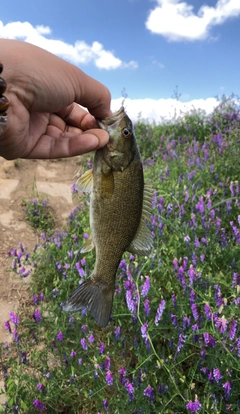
[126, 132]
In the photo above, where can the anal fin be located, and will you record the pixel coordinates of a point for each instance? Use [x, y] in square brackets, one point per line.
[142, 242]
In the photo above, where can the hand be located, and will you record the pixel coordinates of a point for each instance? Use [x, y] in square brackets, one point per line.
[44, 118]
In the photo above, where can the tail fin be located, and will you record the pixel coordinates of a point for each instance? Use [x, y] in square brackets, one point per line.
[97, 298]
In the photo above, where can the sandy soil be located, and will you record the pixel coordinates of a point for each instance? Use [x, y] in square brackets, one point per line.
[20, 180]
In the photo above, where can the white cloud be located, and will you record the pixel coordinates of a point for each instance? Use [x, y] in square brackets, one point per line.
[78, 53]
[176, 21]
[162, 109]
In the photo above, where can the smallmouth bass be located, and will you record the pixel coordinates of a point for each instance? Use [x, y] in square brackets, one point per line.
[119, 205]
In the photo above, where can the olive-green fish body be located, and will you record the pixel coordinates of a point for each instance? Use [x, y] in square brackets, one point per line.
[117, 206]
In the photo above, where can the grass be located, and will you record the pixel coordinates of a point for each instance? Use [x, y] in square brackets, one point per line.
[173, 342]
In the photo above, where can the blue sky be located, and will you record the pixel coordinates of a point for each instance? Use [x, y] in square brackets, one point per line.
[145, 46]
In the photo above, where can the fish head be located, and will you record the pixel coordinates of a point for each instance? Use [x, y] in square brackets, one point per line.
[122, 147]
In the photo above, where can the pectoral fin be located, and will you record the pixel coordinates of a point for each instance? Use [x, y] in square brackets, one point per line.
[107, 184]
[85, 182]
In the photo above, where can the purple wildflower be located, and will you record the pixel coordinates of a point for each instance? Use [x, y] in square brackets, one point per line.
[160, 310]
[130, 390]
[209, 340]
[109, 378]
[107, 363]
[117, 333]
[8, 327]
[227, 389]
[105, 404]
[193, 407]
[73, 354]
[221, 324]
[147, 308]
[59, 336]
[122, 373]
[101, 348]
[37, 316]
[14, 318]
[175, 263]
[39, 405]
[195, 311]
[238, 346]
[35, 299]
[174, 320]
[144, 330]
[15, 336]
[91, 338]
[233, 329]
[191, 274]
[192, 297]
[145, 287]
[181, 340]
[130, 302]
[186, 322]
[174, 300]
[84, 344]
[149, 392]
[217, 374]
[236, 280]
[207, 311]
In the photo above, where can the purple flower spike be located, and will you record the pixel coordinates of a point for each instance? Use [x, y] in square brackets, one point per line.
[221, 324]
[217, 374]
[101, 348]
[159, 312]
[149, 392]
[147, 308]
[193, 407]
[117, 333]
[37, 316]
[145, 287]
[73, 354]
[39, 405]
[233, 329]
[107, 363]
[14, 318]
[130, 390]
[181, 340]
[109, 378]
[195, 311]
[227, 389]
[60, 336]
[84, 344]
[8, 327]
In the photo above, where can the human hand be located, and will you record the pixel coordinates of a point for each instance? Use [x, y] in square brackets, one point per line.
[44, 118]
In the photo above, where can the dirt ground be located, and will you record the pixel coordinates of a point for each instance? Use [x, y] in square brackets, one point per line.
[19, 180]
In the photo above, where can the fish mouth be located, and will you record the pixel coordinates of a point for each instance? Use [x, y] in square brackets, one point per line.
[104, 123]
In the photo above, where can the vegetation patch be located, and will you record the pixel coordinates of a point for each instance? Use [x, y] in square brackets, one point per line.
[173, 342]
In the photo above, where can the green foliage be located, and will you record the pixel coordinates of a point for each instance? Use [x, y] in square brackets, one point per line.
[39, 214]
[173, 342]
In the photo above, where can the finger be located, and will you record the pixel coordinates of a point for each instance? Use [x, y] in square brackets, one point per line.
[76, 116]
[91, 94]
[70, 144]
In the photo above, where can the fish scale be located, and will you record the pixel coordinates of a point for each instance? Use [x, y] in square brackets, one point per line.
[118, 207]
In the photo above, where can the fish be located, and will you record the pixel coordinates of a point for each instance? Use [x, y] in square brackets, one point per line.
[120, 203]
